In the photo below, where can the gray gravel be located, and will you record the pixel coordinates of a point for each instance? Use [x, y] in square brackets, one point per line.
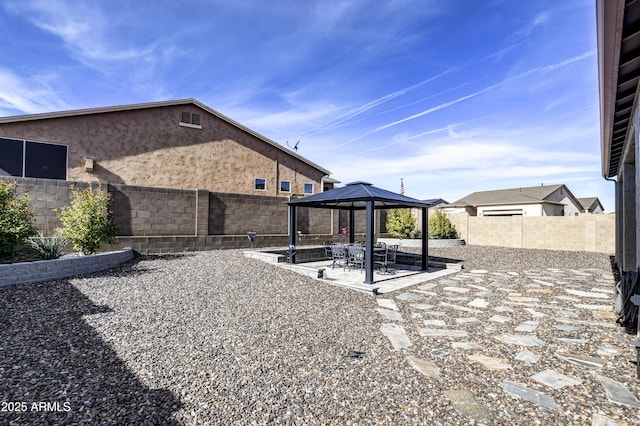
[216, 338]
[519, 260]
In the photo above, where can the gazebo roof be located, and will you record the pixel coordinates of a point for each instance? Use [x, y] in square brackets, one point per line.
[355, 195]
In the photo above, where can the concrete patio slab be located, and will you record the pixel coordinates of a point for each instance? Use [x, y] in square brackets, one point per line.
[397, 278]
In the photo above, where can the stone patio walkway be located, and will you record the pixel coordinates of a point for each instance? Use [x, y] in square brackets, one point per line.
[546, 339]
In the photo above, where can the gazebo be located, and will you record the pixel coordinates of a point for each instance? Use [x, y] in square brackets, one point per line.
[361, 196]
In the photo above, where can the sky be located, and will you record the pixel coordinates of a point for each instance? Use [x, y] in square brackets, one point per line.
[451, 96]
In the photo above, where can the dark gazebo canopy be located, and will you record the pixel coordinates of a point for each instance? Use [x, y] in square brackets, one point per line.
[361, 196]
[354, 196]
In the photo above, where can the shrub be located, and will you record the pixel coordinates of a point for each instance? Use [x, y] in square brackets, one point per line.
[16, 217]
[440, 226]
[400, 223]
[48, 247]
[86, 222]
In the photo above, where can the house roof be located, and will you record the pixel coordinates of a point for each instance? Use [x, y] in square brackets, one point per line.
[529, 195]
[435, 201]
[618, 31]
[590, 203]
[159, 104]
[354, 196]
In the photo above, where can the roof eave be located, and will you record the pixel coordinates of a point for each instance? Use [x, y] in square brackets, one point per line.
[158, 104]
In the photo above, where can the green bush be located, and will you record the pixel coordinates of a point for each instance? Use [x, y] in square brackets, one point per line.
[440, 227]
[86, 222]
[400, 223]
[48, 247]
[16, 217]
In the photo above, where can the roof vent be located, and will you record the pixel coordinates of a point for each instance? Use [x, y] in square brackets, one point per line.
[359, 183]
[189, 119]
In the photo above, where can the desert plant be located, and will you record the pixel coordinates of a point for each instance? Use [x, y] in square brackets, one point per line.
[16, 217]
[440, 226]
[400, 223]
[86, 221]
[48, 247]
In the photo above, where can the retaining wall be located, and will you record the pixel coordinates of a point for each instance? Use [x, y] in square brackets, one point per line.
[45, 270]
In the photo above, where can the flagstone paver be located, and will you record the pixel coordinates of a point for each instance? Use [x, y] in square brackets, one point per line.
[528, 357]
[618, 393]
[531, 395]
[396, 335]
[490, 362]
[478, 303]
[387, 303]
[389, 314]
[465, 403]
[583, 360]
[554, 379]
[528, 326]
[426, 368]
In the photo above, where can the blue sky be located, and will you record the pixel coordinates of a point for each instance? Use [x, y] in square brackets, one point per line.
[452, 96]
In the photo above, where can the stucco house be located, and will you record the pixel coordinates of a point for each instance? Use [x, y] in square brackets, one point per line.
[170, 144]
[544, 200]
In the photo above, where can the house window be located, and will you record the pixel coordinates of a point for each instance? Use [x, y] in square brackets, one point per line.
[260, 184]
[308, 188]
[33, 159]
[190, 119]
[285, 186]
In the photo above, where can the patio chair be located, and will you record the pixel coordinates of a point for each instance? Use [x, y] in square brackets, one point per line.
[327, 249]
[356, 257]
[383, 259]
[392, 251]
[379, 245]
[252, 238]
[380, 258]
[338, 255]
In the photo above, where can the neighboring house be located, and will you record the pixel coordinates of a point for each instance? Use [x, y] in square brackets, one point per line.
[618, 32]
[435, 202]
[549, 200]
[591, 205]
[172, 144]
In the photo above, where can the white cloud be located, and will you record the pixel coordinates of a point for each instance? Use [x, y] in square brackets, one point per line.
[29, 95]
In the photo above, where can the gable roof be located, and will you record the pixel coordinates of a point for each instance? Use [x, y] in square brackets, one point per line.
[529, 195]
[159, 104]
[590, 203]
[354, 196]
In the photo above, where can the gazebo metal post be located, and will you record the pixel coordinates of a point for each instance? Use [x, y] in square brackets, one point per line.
[292, 231]
[368, 254]
[425, 240]
[352, 231]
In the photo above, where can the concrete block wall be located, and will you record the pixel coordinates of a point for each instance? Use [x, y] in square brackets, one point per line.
[588, 232]
[236, 214]
[148, 211]
[46, 196]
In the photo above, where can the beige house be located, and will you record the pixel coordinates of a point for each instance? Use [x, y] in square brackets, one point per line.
[544, 200]
[172, 144]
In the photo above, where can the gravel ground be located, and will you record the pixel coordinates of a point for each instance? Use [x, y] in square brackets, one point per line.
[216, 338]
[513, 259]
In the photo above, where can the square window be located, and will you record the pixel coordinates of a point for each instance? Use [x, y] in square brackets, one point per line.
[260, 184]
[285, 186]
[46, 161]
[308, 188]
